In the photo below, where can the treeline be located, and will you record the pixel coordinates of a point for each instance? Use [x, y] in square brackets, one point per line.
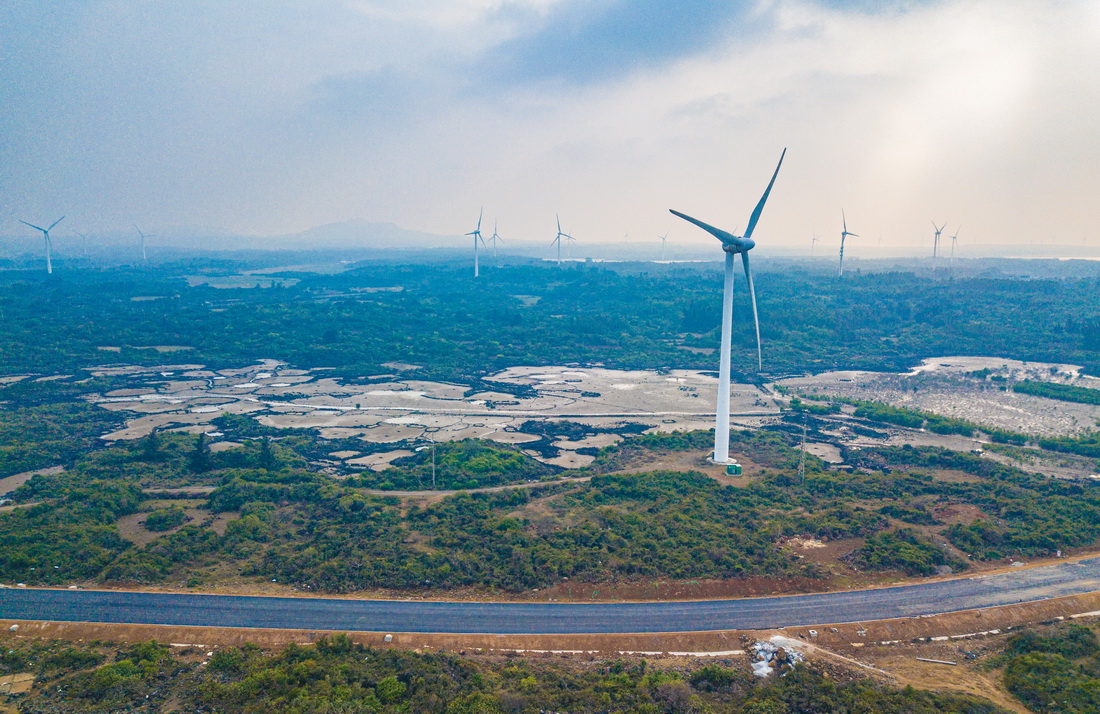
[1062, 392]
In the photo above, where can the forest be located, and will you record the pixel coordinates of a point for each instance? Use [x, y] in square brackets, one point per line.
[285, 522]
[435, 316]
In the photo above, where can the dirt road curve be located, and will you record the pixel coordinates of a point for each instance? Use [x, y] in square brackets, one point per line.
[1024, 585]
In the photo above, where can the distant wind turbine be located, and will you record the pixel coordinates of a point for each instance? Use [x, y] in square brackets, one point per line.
[813, 244]
[495, 237]
[936, 241]
[144, 236]
[559, 236]
[954, 242]
[49, 243]
[664, 239]
[476, 233]
[83, 243]
[843, 234]
[732, 245]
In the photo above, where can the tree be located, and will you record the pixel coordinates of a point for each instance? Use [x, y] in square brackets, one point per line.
[200, 457]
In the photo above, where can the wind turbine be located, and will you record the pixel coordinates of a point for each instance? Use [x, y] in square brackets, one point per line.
[936, 241]
[495, 237]
[732, 245]
[476, 233]
[954, 242]
[813, 244]
[49, 243]
[664, 239]
[559, 236]
[843, 234]
[83, 244]
[144, 257]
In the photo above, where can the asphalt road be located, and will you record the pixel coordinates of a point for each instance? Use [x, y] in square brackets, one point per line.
[1024, 585]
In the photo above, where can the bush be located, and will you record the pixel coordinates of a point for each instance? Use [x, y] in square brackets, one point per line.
[165, 519]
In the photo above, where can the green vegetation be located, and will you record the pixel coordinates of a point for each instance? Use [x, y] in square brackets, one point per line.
[165, 519]
[457, 465]
[336, 675]
[36, 436]
[903, 550]
[72, 539]
[436, 317]
[1063, 392]
[316, 533]
[1055, 671]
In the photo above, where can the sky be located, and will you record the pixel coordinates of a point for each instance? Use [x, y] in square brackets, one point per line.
[273, 116]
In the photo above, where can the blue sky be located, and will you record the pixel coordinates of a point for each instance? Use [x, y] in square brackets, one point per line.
[271, 116]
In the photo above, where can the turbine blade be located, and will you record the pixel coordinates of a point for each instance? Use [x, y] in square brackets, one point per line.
[55, 223]
[716, 232]
[760, 206]
[854, 235]
[556, 216]
[755, 315]
[479, 215]
[33, 226]
[845, 219]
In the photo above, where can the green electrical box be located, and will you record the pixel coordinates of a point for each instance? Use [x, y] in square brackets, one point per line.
[733, 469]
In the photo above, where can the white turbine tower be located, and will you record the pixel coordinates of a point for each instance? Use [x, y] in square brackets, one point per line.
[732, 245]
[476, 233]
[144, 236]
[495, 237]
[954, 242]
[843, 234]
[49, 243]
[559, 236]
[936, 241]
[664, 239]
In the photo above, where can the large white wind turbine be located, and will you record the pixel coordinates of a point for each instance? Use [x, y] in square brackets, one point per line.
[495, 237]
[476, 233]
[936, 241]
[843, 234]
[954, 242]
[664, 239]
[732, 245]
[49, 243]
[144, 236]
[559, 236]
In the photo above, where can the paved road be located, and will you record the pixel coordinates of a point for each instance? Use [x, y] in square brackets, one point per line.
[1025, 585]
